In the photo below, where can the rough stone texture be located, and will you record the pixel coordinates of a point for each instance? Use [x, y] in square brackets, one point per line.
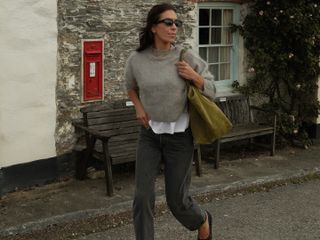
[118, 23]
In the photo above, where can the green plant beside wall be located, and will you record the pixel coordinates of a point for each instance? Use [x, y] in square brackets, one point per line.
[282, 38]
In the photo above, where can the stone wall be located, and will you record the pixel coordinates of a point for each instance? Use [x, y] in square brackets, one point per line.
[118, 23]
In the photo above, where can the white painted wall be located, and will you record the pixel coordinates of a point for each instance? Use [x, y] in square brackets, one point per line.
[28, 49]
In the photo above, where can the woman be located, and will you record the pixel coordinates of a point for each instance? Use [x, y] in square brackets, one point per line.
[155, 81]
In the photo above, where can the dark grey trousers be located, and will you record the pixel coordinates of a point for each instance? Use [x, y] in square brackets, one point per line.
[176, 151]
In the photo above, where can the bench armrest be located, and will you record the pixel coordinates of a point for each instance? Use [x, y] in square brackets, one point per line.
[262, 109]
[104, 136]
[273, 112]
[77, 121]
[91, 131]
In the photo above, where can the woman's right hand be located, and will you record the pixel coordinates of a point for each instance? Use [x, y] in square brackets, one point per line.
[142, 116]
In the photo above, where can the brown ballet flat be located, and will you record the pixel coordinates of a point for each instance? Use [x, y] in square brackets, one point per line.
[210, 227]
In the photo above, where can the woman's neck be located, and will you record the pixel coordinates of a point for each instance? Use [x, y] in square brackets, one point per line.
[162, 46]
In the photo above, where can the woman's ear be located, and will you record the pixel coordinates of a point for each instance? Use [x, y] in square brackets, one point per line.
[153, 29]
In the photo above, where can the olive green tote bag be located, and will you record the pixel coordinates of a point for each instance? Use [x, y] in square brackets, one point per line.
[207, 121]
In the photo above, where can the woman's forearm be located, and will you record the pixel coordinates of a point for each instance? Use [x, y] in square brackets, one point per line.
[141, 114]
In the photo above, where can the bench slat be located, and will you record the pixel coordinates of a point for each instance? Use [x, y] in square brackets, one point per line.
[119, 150]
[113, 112]
[244, 129]
[105, 106]
[115, 125]
[245, 136]
[124, 159]
[116, 140]
[111, 119]
[124, 152]
[121, 131]
[117, 160]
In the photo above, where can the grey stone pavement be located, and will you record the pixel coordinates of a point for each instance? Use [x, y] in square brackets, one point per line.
[290, 212]
[244, 188]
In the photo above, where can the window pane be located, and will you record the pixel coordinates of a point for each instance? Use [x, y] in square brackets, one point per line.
[203, 53]
[226, 36]
[215, 35]
[203, 35]
[216, 41]
[214, 69]
[225, 54]
[227, 17]
[213, 54]
[204, 16]
[225, 71]
[216, 17]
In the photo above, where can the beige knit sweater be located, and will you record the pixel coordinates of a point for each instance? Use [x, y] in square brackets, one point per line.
[161, 90]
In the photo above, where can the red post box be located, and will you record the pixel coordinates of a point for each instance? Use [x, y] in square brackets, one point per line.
[92, 70]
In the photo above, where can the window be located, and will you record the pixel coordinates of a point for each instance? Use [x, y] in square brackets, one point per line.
[217, 44]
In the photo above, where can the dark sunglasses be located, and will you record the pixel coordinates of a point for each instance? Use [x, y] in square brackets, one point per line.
[170, 22]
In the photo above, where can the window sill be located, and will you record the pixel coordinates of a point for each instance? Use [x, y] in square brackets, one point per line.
[226, 94]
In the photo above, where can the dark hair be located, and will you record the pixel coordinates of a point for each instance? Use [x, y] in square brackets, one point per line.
[146, 36]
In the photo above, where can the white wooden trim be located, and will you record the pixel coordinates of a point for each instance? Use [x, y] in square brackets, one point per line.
[224, 85]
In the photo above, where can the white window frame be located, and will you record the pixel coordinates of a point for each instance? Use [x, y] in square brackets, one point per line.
[224, 85]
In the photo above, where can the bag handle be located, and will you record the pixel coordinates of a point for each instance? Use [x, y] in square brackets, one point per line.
[182, 53]
[181, 58]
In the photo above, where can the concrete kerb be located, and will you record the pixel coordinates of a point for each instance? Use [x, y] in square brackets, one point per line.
[256, 182]
[116, 209]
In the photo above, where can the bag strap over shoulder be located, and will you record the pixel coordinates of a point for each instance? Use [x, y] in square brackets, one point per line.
[182, 53]
[181, 58]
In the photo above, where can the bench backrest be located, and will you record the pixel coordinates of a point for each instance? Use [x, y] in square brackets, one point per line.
[104, 117]
[236, 108]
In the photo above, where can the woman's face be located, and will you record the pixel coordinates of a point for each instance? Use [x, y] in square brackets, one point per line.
[164, 34]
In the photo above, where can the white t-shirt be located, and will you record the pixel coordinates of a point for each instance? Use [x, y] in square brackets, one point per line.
[171, 127]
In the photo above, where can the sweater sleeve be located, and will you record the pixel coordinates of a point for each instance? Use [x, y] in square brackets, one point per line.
[198, 64]
[130, 81]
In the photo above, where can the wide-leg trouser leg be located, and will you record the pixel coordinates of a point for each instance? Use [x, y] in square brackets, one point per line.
[178, 155]
[177, 152]
[147, 166]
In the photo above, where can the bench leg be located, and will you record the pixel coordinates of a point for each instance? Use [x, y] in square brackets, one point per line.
[197, 159]
[273, 144]
[107, 169]
[273, 136]
[82, 164]
[217, 159]
[251, 143]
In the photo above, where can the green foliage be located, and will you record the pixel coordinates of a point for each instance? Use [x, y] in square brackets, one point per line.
[282, 38]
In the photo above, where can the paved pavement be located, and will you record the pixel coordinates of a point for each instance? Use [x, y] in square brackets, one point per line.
[71, 208]
[290, 212]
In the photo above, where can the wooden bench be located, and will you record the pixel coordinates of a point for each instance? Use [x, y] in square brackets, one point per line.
[116, 128]
[245, 124]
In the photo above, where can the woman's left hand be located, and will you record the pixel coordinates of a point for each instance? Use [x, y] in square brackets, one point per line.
[185, 70]
[188, 73]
